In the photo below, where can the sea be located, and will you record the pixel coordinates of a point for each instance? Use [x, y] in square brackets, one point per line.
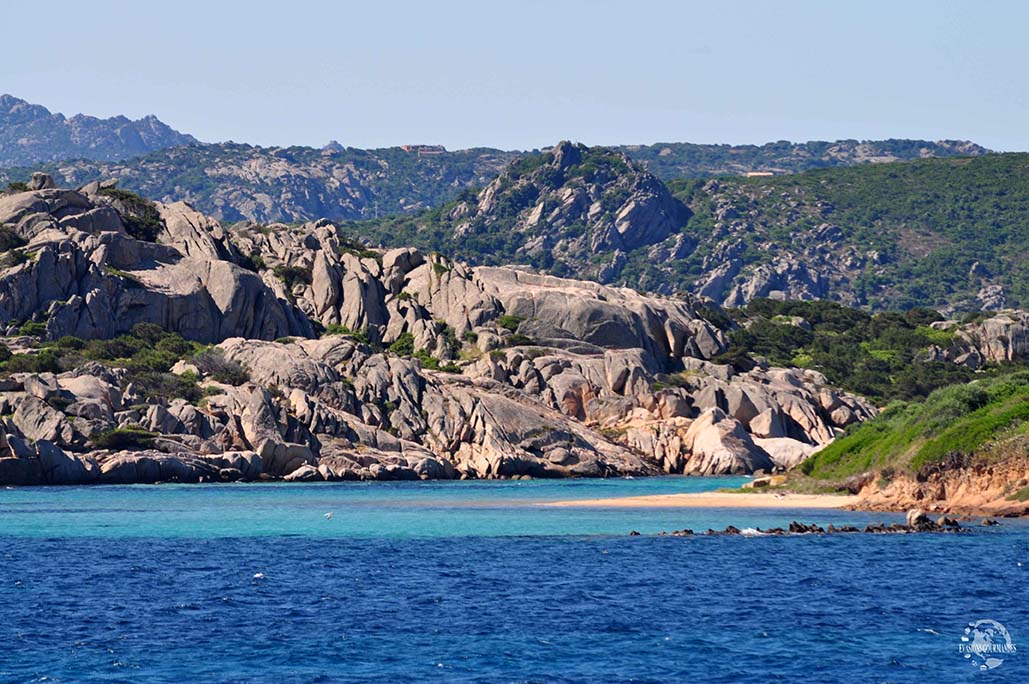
[479, 581]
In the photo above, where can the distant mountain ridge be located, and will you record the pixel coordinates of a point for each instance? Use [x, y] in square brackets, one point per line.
[233, 181]
[32, 134]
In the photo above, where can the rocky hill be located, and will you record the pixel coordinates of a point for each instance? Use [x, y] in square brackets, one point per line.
[233, 182]
[145, 342]
[570, 210]
[671, 161]
[944, 233]
[32, 135]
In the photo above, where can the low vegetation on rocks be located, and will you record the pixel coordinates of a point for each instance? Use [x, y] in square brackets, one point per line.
[883, 356]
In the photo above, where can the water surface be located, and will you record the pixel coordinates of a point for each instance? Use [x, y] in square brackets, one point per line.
[475, 582]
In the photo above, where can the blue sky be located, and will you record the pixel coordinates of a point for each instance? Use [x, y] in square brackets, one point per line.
[526, 74]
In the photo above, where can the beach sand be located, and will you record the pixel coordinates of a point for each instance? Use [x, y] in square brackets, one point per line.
[717, 500]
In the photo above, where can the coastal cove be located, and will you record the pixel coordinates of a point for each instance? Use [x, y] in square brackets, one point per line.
[476, 581]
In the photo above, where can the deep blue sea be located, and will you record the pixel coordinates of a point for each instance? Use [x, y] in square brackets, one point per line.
[476, 582]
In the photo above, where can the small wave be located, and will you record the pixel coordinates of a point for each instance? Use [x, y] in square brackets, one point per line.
[751, 532]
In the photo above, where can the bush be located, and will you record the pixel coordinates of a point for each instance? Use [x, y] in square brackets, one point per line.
[9, 239]
[253, 262]
[138, 214]
[124, 438]
[13, 258]
[121, 347]
[148, 332]
[33, 329]
[46, 361]
[337, 329]
[213, 363]
[158, 387]
[155, 360]
[17, 186]
[70, 342]
[404, 345]
[292, 275]
[510, 322]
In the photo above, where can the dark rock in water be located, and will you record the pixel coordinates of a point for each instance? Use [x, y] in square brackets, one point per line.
[917, 517]
[801, 528]
[944, 525]
[634, 533]
[989, 522]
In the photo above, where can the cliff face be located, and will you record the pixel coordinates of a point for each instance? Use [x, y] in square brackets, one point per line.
[336, 361]
[998, 488]
[31, 134]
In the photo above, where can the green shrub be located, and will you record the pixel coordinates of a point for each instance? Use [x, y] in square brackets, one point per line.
[293, 275]
[254, 262]
[158, 387]
[404, 345]
[17, 186]
[9, 239]
[155, 359]
[70, 342]
[124, 438]
[46, 361]
[510, 321]
[214, 364]
[518, 340]
[33, 329]
[337, 329]
[139, 215]
[150, 333]
[14, 257]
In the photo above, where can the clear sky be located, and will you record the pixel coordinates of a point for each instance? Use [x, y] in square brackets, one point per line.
[524, 74]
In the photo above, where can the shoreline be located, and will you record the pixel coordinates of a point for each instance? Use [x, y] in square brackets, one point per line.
[716, 500]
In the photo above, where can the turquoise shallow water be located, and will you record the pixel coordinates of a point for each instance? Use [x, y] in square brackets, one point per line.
[475, 582]
[373, 509]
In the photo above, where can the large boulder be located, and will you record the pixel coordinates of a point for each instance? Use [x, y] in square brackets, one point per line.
[719, 445]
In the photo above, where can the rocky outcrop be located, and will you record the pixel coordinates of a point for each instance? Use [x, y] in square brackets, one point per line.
[422, 367]
[88, 278]
[954, 487]
[1000, 338]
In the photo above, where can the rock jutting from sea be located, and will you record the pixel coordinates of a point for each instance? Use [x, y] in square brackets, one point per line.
[266, 352]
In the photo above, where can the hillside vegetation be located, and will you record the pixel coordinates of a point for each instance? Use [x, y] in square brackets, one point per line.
[949, 234]
[669, 161]
[959, 424]
[881, 356]
[927, 233]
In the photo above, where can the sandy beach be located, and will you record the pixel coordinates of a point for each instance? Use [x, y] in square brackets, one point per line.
[717, 500]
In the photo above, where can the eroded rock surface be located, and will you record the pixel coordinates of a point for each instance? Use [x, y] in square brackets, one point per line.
[366, 364]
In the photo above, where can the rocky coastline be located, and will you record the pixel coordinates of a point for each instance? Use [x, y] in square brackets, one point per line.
[147, 343]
